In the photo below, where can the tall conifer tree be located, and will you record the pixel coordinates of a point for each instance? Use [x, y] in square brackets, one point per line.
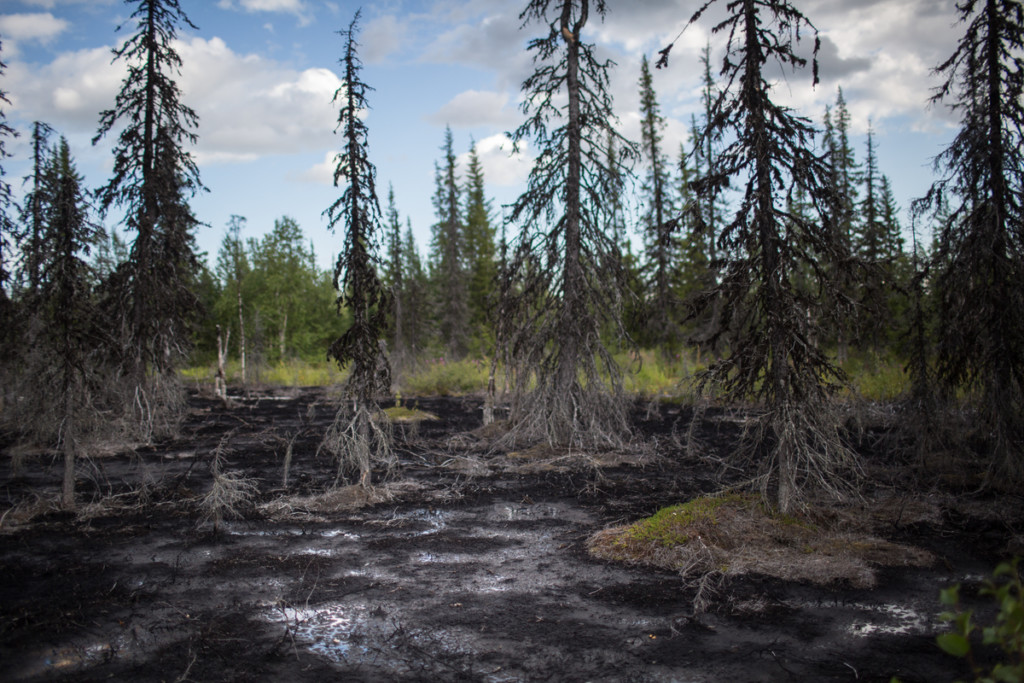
[154, 175]
[845, 174]
[416, 304]
[35, 203]
[871, 245]
[449, 248]
[358, 438]
[662, 244]
[7, 229]
[772, 353]
[568, 388]
[71, 331]
[481, 260]
[395, 275]
[980, 248]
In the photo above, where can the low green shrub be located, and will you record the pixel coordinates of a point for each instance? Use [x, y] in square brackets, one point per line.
[1006, 633]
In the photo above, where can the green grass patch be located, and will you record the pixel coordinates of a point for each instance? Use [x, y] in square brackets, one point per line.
[287, 373]
[876, 377]
[407, 414]
[677, 524]
[446, 378]
[650, 375]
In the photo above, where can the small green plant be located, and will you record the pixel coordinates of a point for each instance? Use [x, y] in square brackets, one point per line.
[1007, 633]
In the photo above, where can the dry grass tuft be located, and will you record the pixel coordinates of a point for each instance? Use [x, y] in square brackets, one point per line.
[542, 457]
[360, 438]
[710, 538]
[230, 492]
[25, 512]
[408, 420]
[337, 499]
[404, 414]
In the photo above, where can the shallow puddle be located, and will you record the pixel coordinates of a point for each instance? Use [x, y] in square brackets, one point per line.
[325, 630]
[895, 619]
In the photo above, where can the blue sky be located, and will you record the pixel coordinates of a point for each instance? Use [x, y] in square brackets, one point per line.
[261, 74]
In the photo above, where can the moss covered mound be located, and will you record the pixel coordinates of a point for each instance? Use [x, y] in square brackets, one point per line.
[735, 534]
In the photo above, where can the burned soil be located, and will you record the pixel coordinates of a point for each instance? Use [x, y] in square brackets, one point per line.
[465, 563]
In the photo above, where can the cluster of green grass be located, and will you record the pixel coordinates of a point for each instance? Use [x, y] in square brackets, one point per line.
[446, 378]
[287, 373]
[649, 375]
[877, 377]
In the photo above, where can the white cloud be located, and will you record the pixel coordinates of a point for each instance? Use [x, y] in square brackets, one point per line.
[273, 5]
[501, 167]
[42, 27]
[296, 7]
[248, 106]
[68, 93]
[321, 173]
[493, 42]
[475, 108]
[50, 4]
[382, 37]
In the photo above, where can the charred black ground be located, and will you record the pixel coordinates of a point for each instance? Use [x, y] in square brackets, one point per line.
[465, 565]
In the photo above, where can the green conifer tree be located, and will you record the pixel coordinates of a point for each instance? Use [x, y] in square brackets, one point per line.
[481, 256]
[65, 379]
[661, 244]
[448, 256]
[395, 277]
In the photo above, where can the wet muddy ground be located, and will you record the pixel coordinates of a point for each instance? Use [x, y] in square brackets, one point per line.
[467, 565]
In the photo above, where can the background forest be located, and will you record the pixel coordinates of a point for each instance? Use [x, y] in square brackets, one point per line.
[766, 253]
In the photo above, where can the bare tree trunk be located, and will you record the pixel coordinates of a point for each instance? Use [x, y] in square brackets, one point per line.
[220, 382]
[363, 416]
[572, 314]
[774, 305]
[491, 391]
[68, 446]
[281, 336]
[241, 328]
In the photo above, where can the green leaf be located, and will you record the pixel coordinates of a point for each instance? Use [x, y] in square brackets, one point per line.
[950, 596]
[1008, 674]
[954, 643]
[1004, 569]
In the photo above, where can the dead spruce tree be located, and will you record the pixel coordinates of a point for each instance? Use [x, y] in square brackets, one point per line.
[148, 297]
[568, 386]
[360, 436]
[979, 259]
[66, 380]
[765, 250]
[7, 241]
